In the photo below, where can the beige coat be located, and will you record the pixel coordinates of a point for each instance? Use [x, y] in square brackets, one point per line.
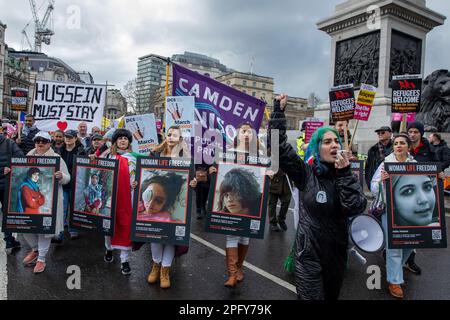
[65, 180]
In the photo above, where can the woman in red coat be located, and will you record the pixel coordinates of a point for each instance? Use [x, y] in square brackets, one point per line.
[30, 198]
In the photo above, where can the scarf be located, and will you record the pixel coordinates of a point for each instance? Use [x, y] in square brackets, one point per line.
[27, 183]
[27, 130]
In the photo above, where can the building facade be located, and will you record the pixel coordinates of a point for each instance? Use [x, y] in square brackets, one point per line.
[260, 87]
[200, 63]
[86, 77]
[16, 75]
[116, 105]
[151, 70]
[2, 63]
[151, 76]
[47, 68]
[297, 110]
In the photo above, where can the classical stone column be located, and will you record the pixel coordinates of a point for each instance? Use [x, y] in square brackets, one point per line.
[371, 40]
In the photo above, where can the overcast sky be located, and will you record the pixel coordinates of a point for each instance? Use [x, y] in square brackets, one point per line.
[281, 35]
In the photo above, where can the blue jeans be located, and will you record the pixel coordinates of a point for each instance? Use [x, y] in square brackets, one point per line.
[395, 259]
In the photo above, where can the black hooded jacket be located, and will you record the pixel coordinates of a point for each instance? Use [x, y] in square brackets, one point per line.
[425, 153]
[328, 197]
[69, 158]
[442, 152]
[8, 150]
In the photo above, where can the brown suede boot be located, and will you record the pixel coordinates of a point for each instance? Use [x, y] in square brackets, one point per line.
[154, 274]
[232, 258]
[164, 281]
[242, 252]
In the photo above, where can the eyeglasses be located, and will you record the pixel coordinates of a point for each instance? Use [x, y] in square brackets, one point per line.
[381, 132]
[41, 141]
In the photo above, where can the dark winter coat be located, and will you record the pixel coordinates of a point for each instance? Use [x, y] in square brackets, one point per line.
[27, 143]
[425, 154]
[69, 159]
[442, 152]
[8, 149]
[279, 184]
[374, 160]
[328, 197]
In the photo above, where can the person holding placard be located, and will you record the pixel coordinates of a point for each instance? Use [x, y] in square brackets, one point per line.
[173, 146]
[40, 244]
[237, 247]
[8, 150]
[71, 148]
[329, 195]
[395, 258]
[121, 150]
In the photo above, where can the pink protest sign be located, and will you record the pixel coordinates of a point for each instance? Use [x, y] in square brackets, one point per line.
[365, 102]
[158, 125]
[398, 117]
[311, 127]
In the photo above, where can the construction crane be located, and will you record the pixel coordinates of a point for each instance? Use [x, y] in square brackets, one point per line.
[43, 29]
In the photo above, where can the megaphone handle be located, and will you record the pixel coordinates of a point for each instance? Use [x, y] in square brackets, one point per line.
[358, 256]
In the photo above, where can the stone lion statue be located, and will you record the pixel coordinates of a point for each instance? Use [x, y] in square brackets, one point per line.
[435, 107]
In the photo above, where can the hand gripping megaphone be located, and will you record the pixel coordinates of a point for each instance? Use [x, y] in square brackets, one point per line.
[367, 234]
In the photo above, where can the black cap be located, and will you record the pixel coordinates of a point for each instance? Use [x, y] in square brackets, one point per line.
[385, 128]
[97, 136]
[71, 133]
[303, 126]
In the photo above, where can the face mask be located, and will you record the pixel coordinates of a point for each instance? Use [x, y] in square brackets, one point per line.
[108, 144]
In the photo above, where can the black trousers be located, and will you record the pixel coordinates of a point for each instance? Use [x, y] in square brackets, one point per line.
[8, 236]
[201, 193]
[285, 200]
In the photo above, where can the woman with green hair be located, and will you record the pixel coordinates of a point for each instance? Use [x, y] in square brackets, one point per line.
[329, 195]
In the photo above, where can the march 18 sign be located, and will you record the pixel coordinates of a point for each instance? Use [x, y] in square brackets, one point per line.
[60, 105]
[143, 129]
[406, 93]
[342, 103]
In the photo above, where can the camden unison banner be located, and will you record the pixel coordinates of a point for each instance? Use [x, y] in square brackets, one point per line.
[217, 107]
[406, 93]
[415, 206]
[31, 196]
[93, 204]
[60, 105]
[143, 129]
[162, 202]
[238, 196]
[342, 102]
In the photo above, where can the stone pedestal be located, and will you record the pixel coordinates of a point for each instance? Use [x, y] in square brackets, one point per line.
[370, 41]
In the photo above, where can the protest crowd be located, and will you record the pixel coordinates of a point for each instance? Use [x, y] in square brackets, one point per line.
[315, 173]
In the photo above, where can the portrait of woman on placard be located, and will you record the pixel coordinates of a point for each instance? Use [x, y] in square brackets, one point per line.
[30, 199]
[93, 195]
[414, 200]
[160, 196]
[239, 193]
